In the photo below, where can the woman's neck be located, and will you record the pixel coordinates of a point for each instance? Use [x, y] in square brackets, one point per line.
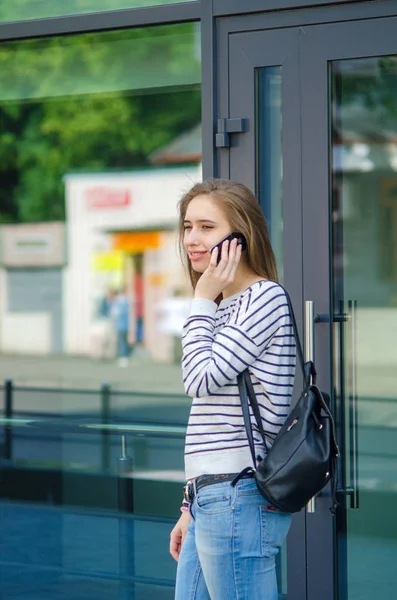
[244, 278]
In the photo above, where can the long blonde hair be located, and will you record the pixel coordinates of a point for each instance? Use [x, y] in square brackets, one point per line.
[244, 215]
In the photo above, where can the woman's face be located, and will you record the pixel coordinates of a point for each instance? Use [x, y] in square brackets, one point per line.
[205, 225]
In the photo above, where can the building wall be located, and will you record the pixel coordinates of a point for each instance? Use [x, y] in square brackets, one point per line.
[152, 205]
[35, 311]
[31, 293]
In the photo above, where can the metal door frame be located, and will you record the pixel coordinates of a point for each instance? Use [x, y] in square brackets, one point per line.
[237, 99]
[312, 542]
[319, 46]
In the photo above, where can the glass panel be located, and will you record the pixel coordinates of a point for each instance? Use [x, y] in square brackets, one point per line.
[83, 513]
[100, 135]
[269, 155]
[269, 192]
[364, 219]
[24, 10]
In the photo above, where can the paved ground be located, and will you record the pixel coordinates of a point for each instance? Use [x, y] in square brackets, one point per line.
[81, 372]
[62, 386]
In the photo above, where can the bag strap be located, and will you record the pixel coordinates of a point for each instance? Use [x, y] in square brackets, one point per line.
[254, 406]
[327, 411]
[308, 369]
[246, 389]
[242, 388]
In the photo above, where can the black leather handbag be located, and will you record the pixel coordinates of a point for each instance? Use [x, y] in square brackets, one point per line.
[303, 456]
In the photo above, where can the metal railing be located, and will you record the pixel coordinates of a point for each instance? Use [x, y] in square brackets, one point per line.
[105, 431]
[97, 421]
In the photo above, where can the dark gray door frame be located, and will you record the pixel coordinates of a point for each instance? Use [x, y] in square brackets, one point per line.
[225, 7]
[238, 60]
[277, 48]
[302, 16]
[215, 48]
[308, 272]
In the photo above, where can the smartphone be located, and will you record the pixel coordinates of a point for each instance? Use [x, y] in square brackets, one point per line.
[230, 237]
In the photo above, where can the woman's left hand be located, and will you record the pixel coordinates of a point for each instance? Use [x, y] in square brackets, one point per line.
[217, 277]
[178, 535]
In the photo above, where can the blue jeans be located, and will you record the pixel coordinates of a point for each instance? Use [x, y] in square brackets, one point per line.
[123, 347]
[231, 544]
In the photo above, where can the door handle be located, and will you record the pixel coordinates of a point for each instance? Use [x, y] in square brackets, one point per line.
[353, 408]
[346, 350]
[309, 355]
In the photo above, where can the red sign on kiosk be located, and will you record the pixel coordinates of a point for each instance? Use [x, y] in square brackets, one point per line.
[107, 197]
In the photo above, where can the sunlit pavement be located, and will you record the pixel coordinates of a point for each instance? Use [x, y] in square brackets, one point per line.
[72, 385]
[140, 374]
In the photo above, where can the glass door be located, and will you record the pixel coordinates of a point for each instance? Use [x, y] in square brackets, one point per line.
[349, 175]
[260, 87]
[319, 146]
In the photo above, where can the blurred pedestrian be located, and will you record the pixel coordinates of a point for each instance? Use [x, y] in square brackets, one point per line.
[120, 314]
[102, 334]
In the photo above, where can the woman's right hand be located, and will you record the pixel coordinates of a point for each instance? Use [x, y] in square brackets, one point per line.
[217, 277]
[177, 536]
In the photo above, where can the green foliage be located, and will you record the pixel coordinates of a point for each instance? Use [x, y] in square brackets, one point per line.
[89, 103]
[18, 10]
[369, 84]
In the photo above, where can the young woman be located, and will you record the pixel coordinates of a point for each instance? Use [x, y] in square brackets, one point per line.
[227, 537]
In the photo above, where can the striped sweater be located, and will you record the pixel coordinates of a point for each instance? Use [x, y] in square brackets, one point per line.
[250, 329]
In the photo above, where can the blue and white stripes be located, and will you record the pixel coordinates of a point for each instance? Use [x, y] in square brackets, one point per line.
[252, 329]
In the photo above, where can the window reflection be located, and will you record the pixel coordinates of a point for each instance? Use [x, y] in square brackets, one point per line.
[364, 215]
[132, 295]
[100, 135]
[364, 219]
[24, 10]
[269, 155]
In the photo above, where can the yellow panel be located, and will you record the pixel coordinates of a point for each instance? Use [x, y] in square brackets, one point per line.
[136, 241]
[107, 261]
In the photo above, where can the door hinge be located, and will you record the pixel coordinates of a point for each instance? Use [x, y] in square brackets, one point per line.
[225, 127]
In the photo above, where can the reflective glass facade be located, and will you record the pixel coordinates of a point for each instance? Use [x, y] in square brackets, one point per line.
[22, 10]
[100, 135]
[109, 111]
